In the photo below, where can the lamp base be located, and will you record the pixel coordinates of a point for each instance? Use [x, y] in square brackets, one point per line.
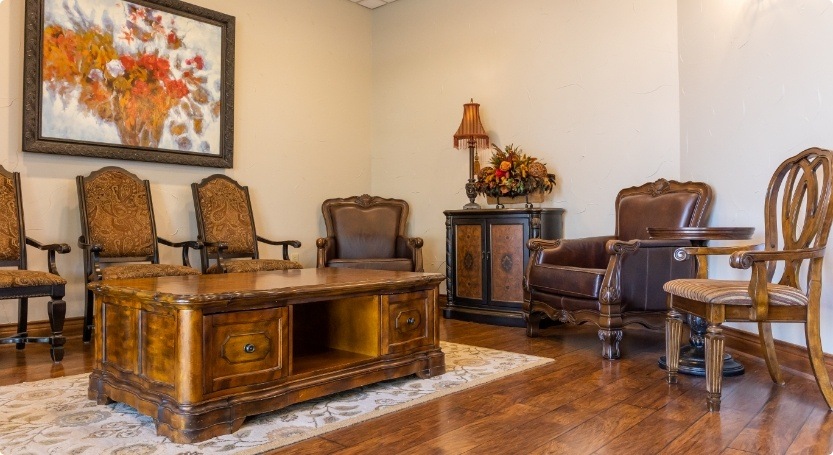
[472, 194]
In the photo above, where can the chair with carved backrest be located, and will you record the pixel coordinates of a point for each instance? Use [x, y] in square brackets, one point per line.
[613, 281]
[20, 283]
[118, 233]
[797, 214]
[226, 226]
[368, 232]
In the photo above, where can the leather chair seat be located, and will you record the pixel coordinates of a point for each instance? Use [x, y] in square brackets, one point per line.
[730, 292]
[122, 272]
[565, 280]
[15, 278]
[254, 265]
[405, 265]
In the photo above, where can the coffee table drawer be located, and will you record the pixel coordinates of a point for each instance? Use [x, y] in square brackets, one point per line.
[410, 321]
[245, 348]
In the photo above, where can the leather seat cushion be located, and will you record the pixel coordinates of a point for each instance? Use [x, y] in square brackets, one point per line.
[564, 280]
[120, 272]
[255, 265]
[730, 292]
[404, 265]
[24, 278]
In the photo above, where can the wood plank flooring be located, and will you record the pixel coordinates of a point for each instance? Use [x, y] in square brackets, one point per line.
[579, 404]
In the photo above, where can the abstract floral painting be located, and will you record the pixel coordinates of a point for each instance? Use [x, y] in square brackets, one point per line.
[140, 76]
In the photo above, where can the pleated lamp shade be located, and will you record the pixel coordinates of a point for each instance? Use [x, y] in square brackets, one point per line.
[471, 128]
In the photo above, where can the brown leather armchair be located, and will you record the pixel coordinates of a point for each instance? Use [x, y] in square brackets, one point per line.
[613, 281]
[368, 232]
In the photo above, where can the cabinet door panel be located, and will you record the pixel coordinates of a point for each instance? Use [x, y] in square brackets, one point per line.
[507, 249]
[469, 261]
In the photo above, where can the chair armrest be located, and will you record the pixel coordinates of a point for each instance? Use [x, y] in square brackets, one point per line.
[681, 254]
[611, 288]
[744, 259]
[410, 248]
[326, 250]
[51, 249]
[92, 267]
[212, 247]
[761, 273]
[186, 245]
[285, 243]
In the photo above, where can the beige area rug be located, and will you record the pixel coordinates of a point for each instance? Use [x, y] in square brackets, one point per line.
[54, 416]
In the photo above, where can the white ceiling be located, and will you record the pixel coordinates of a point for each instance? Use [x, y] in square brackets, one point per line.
[372, 3]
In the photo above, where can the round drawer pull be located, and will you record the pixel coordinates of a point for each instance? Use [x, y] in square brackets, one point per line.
[249, 348]
[410, 321]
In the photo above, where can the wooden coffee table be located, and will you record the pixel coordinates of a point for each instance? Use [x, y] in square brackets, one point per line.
[200, 353]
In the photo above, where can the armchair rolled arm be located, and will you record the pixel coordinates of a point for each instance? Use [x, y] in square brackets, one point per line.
[51, 249]
[186, 245]
[284, 243]
[410, 248]
[326, 250]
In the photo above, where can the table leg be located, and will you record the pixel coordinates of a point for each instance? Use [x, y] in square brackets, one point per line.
[693, 356]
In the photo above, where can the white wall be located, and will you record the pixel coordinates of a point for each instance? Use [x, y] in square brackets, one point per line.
[588, 87]
[756, 88]
[302, 133]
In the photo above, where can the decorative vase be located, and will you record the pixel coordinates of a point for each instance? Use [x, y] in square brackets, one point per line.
[527, 200]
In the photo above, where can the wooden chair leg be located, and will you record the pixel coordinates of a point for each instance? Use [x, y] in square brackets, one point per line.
[22, 320]
[768, 346]
[812, 332]
[673, 333]
[714, 366]
[533, 324]
[57, 310]
[610, 343]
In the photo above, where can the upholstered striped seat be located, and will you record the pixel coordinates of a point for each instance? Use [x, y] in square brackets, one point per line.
[729, 292]
[15, 278]
[121, 272]
[254, 265]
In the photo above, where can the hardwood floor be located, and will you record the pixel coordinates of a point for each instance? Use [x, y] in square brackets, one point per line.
[577, 404]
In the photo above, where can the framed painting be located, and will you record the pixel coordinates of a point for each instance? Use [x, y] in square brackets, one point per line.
[133, 80]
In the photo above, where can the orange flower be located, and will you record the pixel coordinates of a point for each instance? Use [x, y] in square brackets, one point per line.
[505, 166]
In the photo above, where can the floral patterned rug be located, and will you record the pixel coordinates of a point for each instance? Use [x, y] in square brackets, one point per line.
[54, 416]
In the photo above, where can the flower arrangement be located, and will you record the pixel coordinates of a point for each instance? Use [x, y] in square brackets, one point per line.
[513, 173]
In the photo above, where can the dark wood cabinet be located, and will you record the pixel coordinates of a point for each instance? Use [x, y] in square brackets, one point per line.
[486, 257]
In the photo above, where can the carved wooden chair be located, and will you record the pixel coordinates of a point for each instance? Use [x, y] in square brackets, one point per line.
[226, 227]
[368, 232]
[613, 281]
[20, 283]
[797, 215]
[118, 233]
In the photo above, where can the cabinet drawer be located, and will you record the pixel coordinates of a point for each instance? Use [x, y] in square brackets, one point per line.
[245, 348]
[410, 321]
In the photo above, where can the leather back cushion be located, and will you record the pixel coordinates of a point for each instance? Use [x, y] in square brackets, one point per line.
[9, 222]
[225, 215]
[118, 214]
[638, 212]
[365, 232]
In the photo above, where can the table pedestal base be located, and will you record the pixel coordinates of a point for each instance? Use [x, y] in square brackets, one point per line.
[693, 363]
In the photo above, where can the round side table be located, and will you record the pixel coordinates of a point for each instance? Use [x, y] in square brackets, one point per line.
[693, 356]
